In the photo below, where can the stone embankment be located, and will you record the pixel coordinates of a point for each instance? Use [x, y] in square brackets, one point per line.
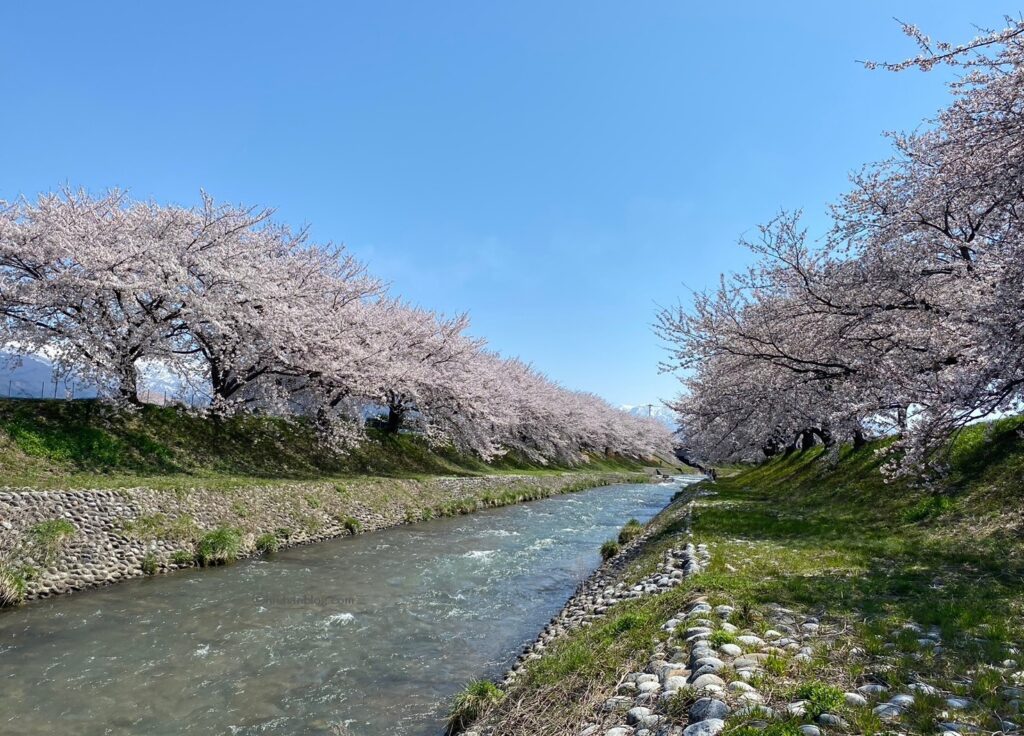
[711, 670]
[719, 666]
[603, 589]
[54, 542]
[600, 591]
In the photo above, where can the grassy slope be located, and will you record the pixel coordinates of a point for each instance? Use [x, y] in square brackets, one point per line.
[830, 537]
[57, 444]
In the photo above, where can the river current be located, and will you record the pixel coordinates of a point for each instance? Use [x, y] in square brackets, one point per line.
[365, 635]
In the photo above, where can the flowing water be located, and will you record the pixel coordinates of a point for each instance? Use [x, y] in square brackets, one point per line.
[369, 634]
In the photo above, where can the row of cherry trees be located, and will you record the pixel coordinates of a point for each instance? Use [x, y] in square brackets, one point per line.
[256, 316]
[907, 318]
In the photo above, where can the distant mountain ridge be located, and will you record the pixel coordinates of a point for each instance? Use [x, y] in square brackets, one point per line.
[31, 377]
[656, 411]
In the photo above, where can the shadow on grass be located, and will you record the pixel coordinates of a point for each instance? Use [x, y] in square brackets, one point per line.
[835, 536]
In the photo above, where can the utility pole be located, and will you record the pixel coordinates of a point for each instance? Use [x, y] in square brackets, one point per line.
[649, 407]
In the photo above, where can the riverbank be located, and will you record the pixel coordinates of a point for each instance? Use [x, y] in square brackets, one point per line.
[833, 602]
[54, 542]
[370, 634]
[93, 493]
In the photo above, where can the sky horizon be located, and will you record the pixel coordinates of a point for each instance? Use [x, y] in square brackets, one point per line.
[557, 172]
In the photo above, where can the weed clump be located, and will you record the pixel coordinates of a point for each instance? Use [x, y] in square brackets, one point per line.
[471, 703]
[609, 549]
[46, 537]
[13, 584]
[772, 729]
[720, 637]
[150, 564]
[219, 547]
[630, 531]
[267, 543]
[182, 557]
[820, 698]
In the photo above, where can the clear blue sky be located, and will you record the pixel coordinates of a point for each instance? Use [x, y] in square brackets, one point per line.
[555, 168]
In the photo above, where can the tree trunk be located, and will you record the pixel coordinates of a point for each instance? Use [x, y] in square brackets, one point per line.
[901, 419]
[771, 448]
[806, 440]
[128, 383]
[394, 422]
[859, 440]
[824, 435]
[685, 460]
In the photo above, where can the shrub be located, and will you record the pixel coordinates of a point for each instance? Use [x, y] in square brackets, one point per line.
[471, 703]
[46, 537]
[609, 549]
[149, 564]
[630, 531]
[267, 543]
[352, 525]
[283, 533]
[13, 585]
[182, 557]
[821, 698]
[219, 547]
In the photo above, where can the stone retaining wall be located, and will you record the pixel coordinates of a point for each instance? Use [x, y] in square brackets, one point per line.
[115, 531]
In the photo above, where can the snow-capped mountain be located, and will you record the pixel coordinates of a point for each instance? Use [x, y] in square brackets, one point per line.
[656, 411]
[31, 377]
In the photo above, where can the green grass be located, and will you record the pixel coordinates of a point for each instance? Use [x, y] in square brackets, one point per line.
[720, 637]
[821, 698]
[59, 444]
[609, 549]
[13, 584]
[150, 565]
[219, 546]
[267, 543]
[183, 557]
[630, 531]
[161, 526]
[46, 537]
[596, 652]
[829, 536]
[772, 729]
[471, 703]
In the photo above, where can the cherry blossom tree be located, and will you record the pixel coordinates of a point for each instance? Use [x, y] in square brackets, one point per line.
[905, 317]
[90, 281]
[259, 318]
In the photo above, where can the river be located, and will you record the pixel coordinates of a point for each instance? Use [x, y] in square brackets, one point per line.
[365, 635]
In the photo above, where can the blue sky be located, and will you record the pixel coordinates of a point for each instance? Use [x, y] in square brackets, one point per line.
[555, 168]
